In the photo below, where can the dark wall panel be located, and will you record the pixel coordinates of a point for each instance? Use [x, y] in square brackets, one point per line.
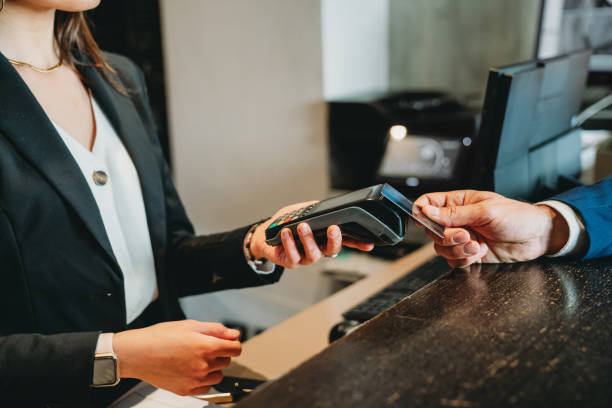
[132, 28]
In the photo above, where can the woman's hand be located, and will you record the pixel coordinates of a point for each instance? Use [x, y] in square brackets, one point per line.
[185, 357]
[288, 255]
[486, 227]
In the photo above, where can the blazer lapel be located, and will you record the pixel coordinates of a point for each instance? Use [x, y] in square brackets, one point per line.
[128, 124]
[26, 125]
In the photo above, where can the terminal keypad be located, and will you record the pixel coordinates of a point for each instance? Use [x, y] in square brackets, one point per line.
[300, 212]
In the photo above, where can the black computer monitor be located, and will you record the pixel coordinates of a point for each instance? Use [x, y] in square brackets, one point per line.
[528, 146]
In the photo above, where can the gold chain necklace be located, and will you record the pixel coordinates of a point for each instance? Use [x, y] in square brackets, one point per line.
[35, 68]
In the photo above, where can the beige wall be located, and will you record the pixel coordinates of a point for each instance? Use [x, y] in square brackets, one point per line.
[244, 82]
[355, 39]
[450, 44]
[247, 125]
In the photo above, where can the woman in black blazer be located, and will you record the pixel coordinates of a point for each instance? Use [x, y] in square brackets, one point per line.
[61, 282]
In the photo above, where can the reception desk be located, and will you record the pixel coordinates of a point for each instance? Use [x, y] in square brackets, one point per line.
[531, 334]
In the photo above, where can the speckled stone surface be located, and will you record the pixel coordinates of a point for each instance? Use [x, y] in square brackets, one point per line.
[532, 334]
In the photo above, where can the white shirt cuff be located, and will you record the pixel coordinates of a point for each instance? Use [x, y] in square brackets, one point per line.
[577, 232]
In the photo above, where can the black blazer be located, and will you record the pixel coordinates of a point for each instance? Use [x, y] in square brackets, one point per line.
[60, 284]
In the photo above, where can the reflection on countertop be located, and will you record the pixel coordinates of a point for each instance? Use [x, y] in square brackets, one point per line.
[527, 334]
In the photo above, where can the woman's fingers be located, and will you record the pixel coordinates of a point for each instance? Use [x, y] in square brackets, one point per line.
[212, 378]
[200, 390]
[312, 253]
[291, 251]
[291, 256]
[218, 363]
[334, 241]
[353, 243]
[217, 330]
[221, 348]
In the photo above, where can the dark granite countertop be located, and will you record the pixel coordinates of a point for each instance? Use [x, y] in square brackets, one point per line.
[531, 334]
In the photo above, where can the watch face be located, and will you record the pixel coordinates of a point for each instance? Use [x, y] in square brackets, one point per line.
[105, 371]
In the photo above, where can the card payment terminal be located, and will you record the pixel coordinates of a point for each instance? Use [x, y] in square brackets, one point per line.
[374, 214]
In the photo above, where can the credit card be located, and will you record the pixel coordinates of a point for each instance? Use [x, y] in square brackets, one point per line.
[428, 223]
[405, 205]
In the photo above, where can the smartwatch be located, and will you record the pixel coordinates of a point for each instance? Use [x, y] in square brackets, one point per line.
[105, 368]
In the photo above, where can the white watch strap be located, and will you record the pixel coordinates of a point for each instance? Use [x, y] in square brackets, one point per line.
[263, 268]
[260, 266]
[105, 344]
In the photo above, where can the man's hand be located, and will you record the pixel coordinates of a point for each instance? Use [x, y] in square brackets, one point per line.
[185, 357]
[288, 255]
[487, 227]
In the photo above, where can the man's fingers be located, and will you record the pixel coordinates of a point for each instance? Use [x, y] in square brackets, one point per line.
[458, 251]
[437, 199]
[456, 236]
[467, 261]
[442, 199]
[452, 236]
[458, 216]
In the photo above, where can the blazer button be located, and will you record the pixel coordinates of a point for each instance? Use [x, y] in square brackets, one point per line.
[100, 178]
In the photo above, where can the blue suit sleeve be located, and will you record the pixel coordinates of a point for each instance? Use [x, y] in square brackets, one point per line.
[594, 204]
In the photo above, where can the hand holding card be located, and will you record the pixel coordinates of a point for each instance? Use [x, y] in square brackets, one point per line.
[422, 220]
[410, 209]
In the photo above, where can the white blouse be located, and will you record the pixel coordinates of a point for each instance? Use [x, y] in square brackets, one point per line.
[119, 199]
